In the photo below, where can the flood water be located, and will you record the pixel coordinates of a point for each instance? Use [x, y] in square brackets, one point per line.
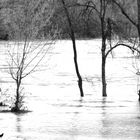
[58, 112]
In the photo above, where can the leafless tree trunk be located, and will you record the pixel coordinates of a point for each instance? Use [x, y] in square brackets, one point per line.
[72, 36]
[104, 39]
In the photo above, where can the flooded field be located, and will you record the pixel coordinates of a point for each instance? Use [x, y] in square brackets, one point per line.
[58, 112]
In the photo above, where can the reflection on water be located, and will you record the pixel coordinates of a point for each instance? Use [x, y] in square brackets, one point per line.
[57, 111]
[75, 119]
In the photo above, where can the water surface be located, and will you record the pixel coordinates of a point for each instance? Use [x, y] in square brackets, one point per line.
[57, 111]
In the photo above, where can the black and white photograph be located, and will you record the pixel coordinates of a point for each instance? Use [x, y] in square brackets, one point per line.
[69, 69]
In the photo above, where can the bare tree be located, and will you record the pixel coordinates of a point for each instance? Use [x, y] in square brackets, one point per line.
[135, 21]
[72, 36]
[25, 53]
[104, 12]
[101, 8]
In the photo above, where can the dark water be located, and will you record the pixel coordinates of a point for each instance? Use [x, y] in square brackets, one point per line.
[57, 111]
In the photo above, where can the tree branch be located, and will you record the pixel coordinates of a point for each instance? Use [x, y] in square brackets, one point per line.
[124, 13]
[93, 6]
[122, 44]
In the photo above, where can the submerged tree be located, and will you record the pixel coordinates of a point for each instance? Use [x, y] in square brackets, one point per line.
[109, 28]
[100, 7]
[72, 36]
[25, 53]
[131, 11]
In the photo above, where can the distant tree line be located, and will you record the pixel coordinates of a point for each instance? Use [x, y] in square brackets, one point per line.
[85, 20]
